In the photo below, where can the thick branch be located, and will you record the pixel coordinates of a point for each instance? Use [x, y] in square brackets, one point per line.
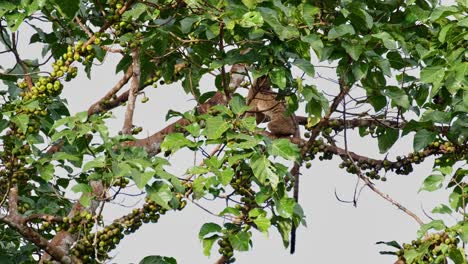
[152, 143]
[128, 122]
[13, 201]
[34, 237]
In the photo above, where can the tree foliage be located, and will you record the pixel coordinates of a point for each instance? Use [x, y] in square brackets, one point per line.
[406, 61]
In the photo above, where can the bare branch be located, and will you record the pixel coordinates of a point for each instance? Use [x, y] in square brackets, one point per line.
[128, 122]
[101, 105]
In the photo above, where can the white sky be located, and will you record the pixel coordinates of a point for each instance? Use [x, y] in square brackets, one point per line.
[336, 232]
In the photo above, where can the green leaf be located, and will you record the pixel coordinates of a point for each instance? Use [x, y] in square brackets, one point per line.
[464, 233]
[82, 187]
[423, 138]
[98, 162]
[133, 13]
[390, 243]
[208, 228]
[251, 19]
[21, 121]
[141, 179]
[262, 170]
[387, 139]
[270, 16]
[262, 223]
[225, 176]
[435, 224]
[396, 61]
[341, 30]
[309, 12]
[158, 260]
[240, 241]
[160, 193]
[436, 116]
[215, 127]
[238, 105]
[278, 77]
[432, 183]
[443, 32]
[243, 141]
[186, 23]
[442, 209]
[194, 129]
[364, 16]
[411, 255]
[14, 20]
[250, 3]
[285, 149]
[176, 141]
[3, 124]
[85, 199]
[65, 156]
[433, 75]
[306, 66]
[230, 210]
[284, 227]
[248, 123]
[455, 200]
[360, 70]
[208, 244]
[68, 8]
[47, 172]
[398, 96]
[457, 255]
[387, 40]
[285, 207]
[314, 41]
[353, 49]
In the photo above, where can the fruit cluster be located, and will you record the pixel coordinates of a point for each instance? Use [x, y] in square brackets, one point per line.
[225, 249]
[242, 184]
[100, 243]
[103, 241]
[318, 147]
[15, 167]
[121, 27]
[44, 87]
[121, 182]
[153, 80]
[49, 86]
[432, 248]
[402, 165]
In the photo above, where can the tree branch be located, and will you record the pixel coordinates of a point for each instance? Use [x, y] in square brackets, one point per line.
[316, 130]
[128, 122]
[101, 105]
[34, 237]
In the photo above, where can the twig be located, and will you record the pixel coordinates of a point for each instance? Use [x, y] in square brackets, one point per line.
[223, 70]
[98, 106]
[372, 186]
[295, 172]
